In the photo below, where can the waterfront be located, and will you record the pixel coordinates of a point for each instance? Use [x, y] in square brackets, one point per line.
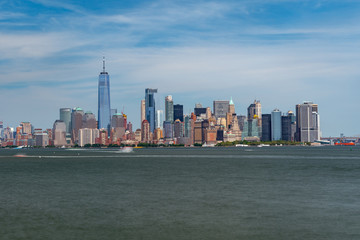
[181, 193]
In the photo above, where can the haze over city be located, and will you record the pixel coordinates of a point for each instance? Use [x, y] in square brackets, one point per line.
[280, 52]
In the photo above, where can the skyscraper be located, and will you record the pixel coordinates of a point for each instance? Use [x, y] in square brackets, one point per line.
[159, 118]
[150, 107]
[65, 116]
[104, 111]
[145, 131]
[178, 112]
[266, 128]
[275, 125]
[198, 110]
[89, 120]
[169, 109]
[142, 111]
[76, 123]
[59, 133]
[307, 122]
[254, 110]
[286, 128]
[221, 108]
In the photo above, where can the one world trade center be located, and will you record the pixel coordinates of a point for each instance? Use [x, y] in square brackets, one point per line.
[104, 112]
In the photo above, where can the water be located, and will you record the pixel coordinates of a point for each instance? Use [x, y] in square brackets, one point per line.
[182, 193]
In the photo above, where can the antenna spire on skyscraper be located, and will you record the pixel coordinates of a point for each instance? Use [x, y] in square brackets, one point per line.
[103, 64]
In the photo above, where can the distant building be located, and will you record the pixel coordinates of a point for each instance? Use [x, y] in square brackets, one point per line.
[65, 116]
[76, 123]
[178, 112]
[252, 129]
[198, 133]
[26, 128]
[104, 112]
[293, 124]
[129, 127]
[198, 110]
[241, 121]
[307, 122]
[169, 109]
[178, 129]
[1, 130]
[142, 112]
[168, 130]
[254, 110]
[275, 125]
[59, 133]
[187, 126]
[118, 120]
[88, 136]
[159, 118]
[221, 108]
[103, 138]
[89, 120]
[41, 139]
[118, 127]
[145, 131]
[266, 135]
[150, 107]
[286, 128]
[138, 135]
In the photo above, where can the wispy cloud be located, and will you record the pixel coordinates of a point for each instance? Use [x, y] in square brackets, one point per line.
[197, 51]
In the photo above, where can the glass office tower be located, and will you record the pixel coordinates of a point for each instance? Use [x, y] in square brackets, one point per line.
[150, 107]
[104, 111]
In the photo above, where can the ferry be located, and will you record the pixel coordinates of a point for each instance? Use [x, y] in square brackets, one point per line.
[264, 145]
[344, 143]
[126, 149]
[241, 145]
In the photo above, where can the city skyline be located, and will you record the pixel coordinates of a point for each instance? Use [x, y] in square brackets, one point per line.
[280, 52]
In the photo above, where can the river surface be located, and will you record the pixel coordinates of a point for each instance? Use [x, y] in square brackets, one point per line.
[181, 193]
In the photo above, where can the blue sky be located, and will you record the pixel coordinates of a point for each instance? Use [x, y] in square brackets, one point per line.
[282, 52]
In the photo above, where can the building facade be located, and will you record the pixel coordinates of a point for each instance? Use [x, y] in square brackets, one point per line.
[266, 128]
[307, 122]
[150, 107]
[179, 112]
[169, 109]
[221, 108]
[104, 110]
[275, 125]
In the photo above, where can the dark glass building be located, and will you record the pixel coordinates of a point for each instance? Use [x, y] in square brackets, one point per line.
[199, 111]
[266, 128]
[150, 107]
[286, 128]
[178, 112]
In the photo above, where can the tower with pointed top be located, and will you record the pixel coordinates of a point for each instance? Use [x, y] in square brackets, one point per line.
[104, 110]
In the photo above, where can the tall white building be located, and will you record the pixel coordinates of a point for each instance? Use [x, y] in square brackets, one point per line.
[88, 136]
[307, 122]
[159, 118]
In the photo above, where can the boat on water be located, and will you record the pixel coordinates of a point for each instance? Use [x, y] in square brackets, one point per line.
[19, 147]
[20, 155]
[126, 149]
[208, 145]
[344, 143]
[264, 145]
[241, 145]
